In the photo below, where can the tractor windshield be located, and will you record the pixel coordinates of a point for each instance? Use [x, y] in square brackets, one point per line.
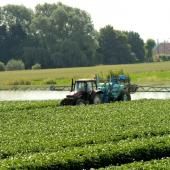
[84, 86]
[80, 86]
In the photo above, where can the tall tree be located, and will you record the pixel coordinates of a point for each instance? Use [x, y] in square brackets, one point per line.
[58, 26]
[3, 43]
[113, 46]
[150, 44]
[16, 15]
[56, 35]
[15, 21]
[137, 45]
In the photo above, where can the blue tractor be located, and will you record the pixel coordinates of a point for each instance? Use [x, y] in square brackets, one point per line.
[93, 91]
[117, 88]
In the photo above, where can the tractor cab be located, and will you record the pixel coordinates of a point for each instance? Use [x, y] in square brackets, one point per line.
[84, 85]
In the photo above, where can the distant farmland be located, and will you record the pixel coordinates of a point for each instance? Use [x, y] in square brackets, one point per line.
[147, 73]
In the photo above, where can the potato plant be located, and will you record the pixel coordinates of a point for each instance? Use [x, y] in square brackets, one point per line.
[163, 163]
[44, 135]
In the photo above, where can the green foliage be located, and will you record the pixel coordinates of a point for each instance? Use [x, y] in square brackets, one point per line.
[37, 55]
[115, 73]
[113, 46]
[50, 81]
[15, 65]
[16, 15]
[56, 35]
[14, 30]
[36, 66]
[137, 46]
[20, 82]
[112, 73]
[163, 163]
[37, 135]
[2, 66]
[66, 32]
[164, 58]
[150, 44]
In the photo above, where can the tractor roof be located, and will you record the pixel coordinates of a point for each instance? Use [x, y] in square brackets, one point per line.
[86, 80]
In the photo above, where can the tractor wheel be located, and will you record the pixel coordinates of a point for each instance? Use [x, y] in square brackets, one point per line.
[125, 96]
[97, 99]
[63, 102]
[80, 102]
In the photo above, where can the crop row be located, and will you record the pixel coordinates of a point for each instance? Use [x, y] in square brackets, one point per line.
[93, 156]
[42, 134]
[163, 164]
[26, 105]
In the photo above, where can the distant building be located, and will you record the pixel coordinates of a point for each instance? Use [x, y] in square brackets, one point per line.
[162, 49]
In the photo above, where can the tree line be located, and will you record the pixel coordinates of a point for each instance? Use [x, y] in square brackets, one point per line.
[56, 35]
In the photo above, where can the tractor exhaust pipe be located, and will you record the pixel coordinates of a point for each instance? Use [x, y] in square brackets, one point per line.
[72, 85]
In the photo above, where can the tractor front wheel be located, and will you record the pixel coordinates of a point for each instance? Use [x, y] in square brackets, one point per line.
[97, 99]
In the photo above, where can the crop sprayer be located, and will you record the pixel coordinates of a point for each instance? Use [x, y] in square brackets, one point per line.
[95, 91]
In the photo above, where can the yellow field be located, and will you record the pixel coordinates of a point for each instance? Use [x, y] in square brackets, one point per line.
[147, 73]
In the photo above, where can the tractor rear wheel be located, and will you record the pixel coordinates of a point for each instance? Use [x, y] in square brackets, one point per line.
[63, 102]
[125, 96]
[97, 99]
[80, 102]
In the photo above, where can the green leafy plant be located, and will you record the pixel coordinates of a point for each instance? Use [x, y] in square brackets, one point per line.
[49, 81]
[37, 135]
[15, 65]
[36, 66]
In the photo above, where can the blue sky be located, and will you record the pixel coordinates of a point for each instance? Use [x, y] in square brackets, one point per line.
[150, 18]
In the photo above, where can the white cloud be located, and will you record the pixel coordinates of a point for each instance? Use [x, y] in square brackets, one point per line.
[149, 18]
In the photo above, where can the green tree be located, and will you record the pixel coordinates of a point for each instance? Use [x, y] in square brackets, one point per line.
[56, 35]
[15, 65]
[14, 22]
[107, 38]
[16, 39]
[4, 48]
[137, 45]
[36, 54]
[66, 33]
[16, 15]
[123, 50]
[113, 46]
[150, 44]
[36, 66]
[2, 66]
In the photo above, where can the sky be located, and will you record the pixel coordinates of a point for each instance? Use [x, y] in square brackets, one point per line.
[150, 18]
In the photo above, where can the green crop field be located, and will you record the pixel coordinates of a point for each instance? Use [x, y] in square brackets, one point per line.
[163, 164]
[147, 73]
[42, 135]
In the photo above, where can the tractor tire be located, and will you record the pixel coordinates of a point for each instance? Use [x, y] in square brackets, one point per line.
[80, 102]
[63, 102]
[125, 96]
[97, 99]
[66, 102]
